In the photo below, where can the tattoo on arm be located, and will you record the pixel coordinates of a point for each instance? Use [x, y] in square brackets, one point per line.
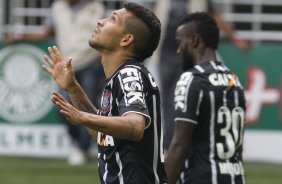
[80, 100]
[86, 107]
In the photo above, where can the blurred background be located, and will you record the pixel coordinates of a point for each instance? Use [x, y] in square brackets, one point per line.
[34, 143]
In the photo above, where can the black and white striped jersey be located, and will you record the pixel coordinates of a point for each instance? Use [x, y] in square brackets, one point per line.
[132, 89]
[211, 97]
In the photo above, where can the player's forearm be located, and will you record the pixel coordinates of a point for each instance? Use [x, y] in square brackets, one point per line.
[80, 100]
[174, 162]
[119, 127]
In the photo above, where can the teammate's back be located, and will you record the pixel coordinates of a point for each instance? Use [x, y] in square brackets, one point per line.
[210, 110]
[216, 103]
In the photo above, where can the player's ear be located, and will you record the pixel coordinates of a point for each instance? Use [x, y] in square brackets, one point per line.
[127, 40]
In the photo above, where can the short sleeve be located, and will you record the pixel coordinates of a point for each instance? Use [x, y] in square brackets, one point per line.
[187, 98]
[132, 92]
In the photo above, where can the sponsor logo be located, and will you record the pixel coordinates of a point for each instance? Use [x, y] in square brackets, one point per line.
[221, 79]
[105, 140]
[24, 88]
[181, 90]
[132, 86]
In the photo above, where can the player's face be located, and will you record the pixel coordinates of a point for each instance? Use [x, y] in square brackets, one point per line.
[184, 48]
[109, 31]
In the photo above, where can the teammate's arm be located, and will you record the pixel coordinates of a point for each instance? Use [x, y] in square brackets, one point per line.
[130, 126]
[178, 149]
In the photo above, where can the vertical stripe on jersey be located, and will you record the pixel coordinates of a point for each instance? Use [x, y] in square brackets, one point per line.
[236, 98]
[120, 176]
[142, 86]
[99, 154]
[212, 143]
[182, 174]
[199, 102]
[111, 100]
[161, 145]
[186, 93]
[121, 86]
[232, 175]
[106, 171]
[156, 147]
[224, 98]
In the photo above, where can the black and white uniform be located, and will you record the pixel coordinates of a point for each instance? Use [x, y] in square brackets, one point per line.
[211, 97]
[169, 67]
[132, 89]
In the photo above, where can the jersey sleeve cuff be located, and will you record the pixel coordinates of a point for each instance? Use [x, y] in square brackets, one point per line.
[185, 120]
[148, 118]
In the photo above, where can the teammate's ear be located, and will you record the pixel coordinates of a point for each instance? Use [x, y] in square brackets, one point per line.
[195, 40]
[127, 40]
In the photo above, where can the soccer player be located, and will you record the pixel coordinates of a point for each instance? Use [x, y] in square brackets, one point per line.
[210, 105]
[128, 124]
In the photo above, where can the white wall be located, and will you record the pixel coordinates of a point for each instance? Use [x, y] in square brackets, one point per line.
[263, 146]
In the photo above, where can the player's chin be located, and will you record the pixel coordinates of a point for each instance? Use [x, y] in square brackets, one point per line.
[91, 42]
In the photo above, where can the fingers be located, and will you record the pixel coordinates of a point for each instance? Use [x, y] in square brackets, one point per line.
[59, 101]
[58, 96]
[47, 69]
[56, 57]
[58, 54]
[49, 61]
[64, 106]
[68, 63]
[52, 55]
[65, 113]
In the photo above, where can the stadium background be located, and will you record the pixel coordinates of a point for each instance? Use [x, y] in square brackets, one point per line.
[31, 135]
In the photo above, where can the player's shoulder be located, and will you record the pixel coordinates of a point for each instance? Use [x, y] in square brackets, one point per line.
[209, 67]
[186, 79]
[136, 71]
[192, 74]
[130, 69]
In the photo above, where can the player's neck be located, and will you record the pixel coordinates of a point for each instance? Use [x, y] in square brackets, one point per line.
[111, 62]
[205, 56]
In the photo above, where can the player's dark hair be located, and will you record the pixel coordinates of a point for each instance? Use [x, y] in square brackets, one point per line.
[145, 27]
[206, 26]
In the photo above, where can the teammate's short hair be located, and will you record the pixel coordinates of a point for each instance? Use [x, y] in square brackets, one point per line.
[206, 27]
[145, 27]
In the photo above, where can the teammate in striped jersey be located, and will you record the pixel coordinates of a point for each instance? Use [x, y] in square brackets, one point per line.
[210, 106]
[128, 124]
